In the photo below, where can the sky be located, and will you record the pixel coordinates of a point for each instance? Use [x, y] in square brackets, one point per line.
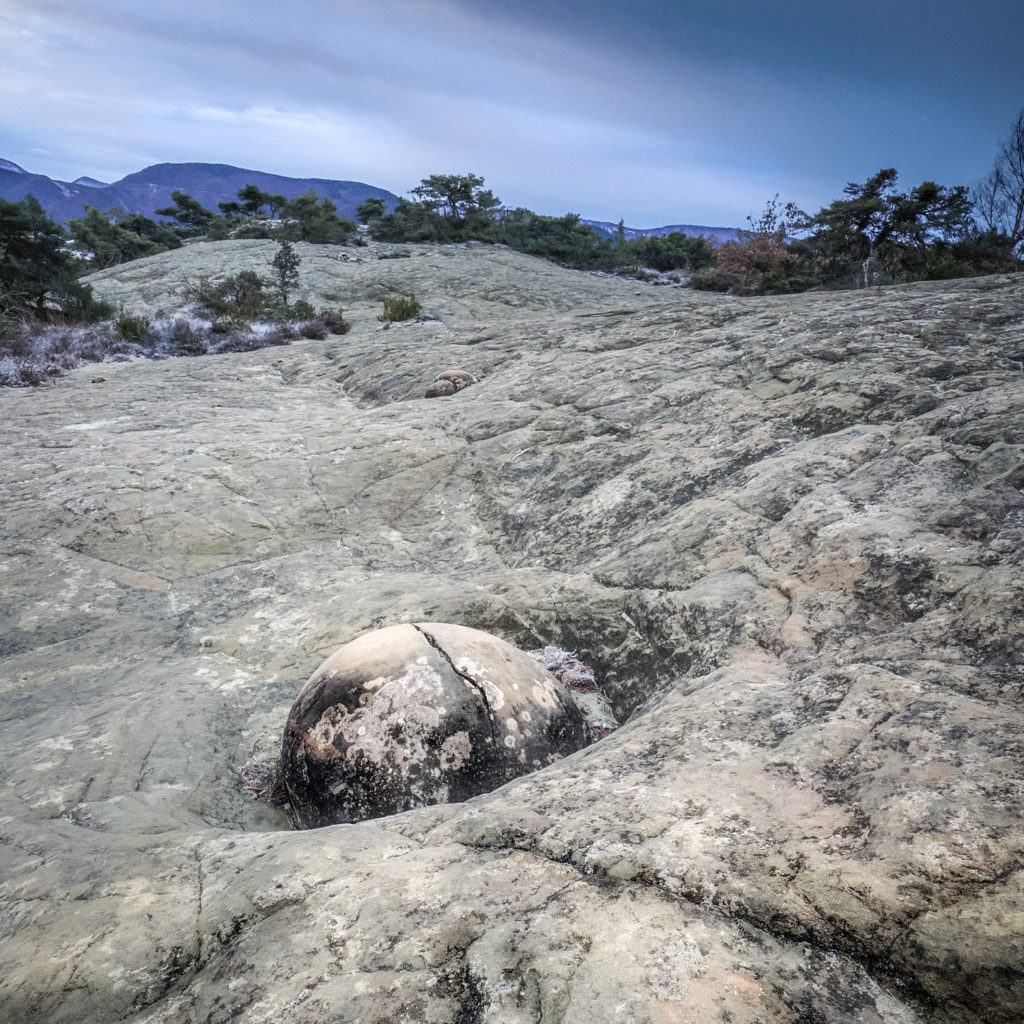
[652, 111]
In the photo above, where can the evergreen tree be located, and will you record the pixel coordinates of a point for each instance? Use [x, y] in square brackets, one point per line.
[191, 215]
[37, 271]
[285, 265]
[878, 234]
[674, 251]
[456, 196]
[115, 237]
[372, 209]
[316, 220]
[252, 198]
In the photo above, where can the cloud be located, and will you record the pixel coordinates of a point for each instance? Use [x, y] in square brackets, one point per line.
[655, 113]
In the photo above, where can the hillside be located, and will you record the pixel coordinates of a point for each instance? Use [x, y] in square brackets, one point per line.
[718, 235]
[787, 533]
[149, 190]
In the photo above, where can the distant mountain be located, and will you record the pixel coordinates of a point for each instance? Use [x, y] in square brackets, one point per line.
[149, 190]
[608, 229]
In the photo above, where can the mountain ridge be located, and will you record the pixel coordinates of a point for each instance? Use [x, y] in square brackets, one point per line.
[717, 234]
[150, 189]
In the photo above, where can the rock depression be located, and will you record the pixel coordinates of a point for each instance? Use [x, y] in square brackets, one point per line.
[786, 533]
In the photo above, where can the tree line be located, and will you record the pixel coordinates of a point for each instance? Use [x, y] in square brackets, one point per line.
[875, 233]
[113, 236]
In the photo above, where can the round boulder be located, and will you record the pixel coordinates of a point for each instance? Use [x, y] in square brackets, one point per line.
[449, 382]
[420, 714]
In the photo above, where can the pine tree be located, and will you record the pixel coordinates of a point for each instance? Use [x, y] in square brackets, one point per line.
[286, 269]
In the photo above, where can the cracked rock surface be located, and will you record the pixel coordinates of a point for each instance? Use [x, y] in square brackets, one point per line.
[418, 714]
[786, 533]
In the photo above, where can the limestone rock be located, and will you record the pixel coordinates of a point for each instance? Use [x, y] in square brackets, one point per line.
[787, 533]
[412, 715]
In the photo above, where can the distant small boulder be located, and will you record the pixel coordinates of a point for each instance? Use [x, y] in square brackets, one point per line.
[448, 382]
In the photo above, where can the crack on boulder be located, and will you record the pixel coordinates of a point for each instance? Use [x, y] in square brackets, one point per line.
[492, 718]
[433, 641]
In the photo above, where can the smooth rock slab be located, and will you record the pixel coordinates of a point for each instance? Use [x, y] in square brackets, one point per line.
[814, 810]
[420, 714]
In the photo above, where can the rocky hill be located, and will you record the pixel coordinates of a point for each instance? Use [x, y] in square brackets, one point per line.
[786, 533]
[149, 190]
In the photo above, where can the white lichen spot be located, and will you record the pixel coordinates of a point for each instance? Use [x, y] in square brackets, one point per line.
[493, 694]
[544, 695]
[96, 424]
[56, 743]
[455, 751]
[608, 495]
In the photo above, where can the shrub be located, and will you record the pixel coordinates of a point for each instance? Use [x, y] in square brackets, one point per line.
[280, 334]
[334, 320]
[235, 341]
[674, 251]
[229, 325]
[33, 353]
[398, 308]
[314, 330]
[256, 229]
[327, 321]
[185, 340]
[239, 297]
[245, 293]
[130, 327]
[986, 253]
[711, 279]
